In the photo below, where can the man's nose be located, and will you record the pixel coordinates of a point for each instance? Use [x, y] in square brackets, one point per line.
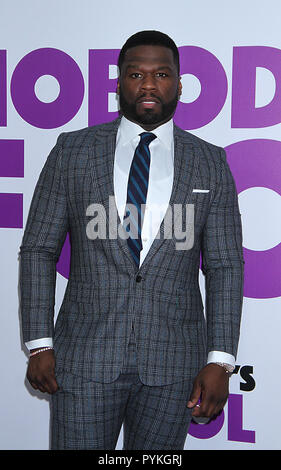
[148, 82]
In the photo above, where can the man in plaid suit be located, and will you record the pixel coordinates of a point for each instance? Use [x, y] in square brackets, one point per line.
[131, 344]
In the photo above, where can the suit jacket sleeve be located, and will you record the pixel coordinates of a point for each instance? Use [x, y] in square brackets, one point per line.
[223, 265]
[44, 235]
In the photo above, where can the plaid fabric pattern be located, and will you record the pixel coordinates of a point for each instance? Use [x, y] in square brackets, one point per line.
[106, 292]
[89, 415]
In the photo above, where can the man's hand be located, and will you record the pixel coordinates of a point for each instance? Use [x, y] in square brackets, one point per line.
[41, 372]
[211, 386]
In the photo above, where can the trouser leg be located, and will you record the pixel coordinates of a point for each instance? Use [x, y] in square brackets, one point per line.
[87, 414]
[157, 417]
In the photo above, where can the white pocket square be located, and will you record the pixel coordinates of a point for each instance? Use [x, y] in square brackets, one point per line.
[201, 190]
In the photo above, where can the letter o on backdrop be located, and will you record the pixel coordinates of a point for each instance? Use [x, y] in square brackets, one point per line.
[63, 68]
[256, 163]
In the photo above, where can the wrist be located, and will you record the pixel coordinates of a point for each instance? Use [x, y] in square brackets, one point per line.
[228, 368]
[36, 351]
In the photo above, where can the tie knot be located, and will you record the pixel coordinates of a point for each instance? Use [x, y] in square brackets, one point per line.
[147, 137]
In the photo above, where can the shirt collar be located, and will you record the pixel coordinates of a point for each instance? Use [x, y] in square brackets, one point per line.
[129, 130]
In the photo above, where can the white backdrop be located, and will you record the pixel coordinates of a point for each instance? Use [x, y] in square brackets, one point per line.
[251, 418]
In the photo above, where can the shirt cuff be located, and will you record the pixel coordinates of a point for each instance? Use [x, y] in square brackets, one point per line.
[39, 343]
[220, 356]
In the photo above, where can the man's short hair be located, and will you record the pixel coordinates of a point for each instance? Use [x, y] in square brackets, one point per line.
[149, 38]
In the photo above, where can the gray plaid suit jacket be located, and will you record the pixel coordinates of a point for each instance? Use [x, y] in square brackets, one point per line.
[106, 294]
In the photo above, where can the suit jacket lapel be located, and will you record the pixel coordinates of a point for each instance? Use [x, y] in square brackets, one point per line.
[186, 162]
[102, 170]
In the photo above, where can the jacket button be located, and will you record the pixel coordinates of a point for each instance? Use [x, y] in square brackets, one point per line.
[138, 278]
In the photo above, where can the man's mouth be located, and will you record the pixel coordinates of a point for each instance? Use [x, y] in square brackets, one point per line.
[147, 102]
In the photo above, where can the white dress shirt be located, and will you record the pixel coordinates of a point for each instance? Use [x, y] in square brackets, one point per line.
[161, 175]
[159, 191]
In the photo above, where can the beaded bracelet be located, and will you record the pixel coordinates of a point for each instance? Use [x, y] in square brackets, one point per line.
[39, 350]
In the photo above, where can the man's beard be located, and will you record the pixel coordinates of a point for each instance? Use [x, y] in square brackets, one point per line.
[149, 116]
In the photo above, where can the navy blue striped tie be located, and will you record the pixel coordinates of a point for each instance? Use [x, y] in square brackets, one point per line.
[137, 192]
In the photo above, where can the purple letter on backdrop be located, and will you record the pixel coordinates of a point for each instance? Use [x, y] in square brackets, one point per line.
[100, 85]
[235, 423]
[11, 210]
[11, 165]
[3, 88]
[59, 65]
[209, 71]
[12, 158]
[257, 163]
[245, 61]
[235, 420]
[208, 430]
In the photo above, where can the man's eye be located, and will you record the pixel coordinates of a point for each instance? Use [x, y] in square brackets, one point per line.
[136, 75]
[161, 74]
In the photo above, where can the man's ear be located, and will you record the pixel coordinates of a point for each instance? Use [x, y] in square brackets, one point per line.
[118, 87]
[179, 88]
